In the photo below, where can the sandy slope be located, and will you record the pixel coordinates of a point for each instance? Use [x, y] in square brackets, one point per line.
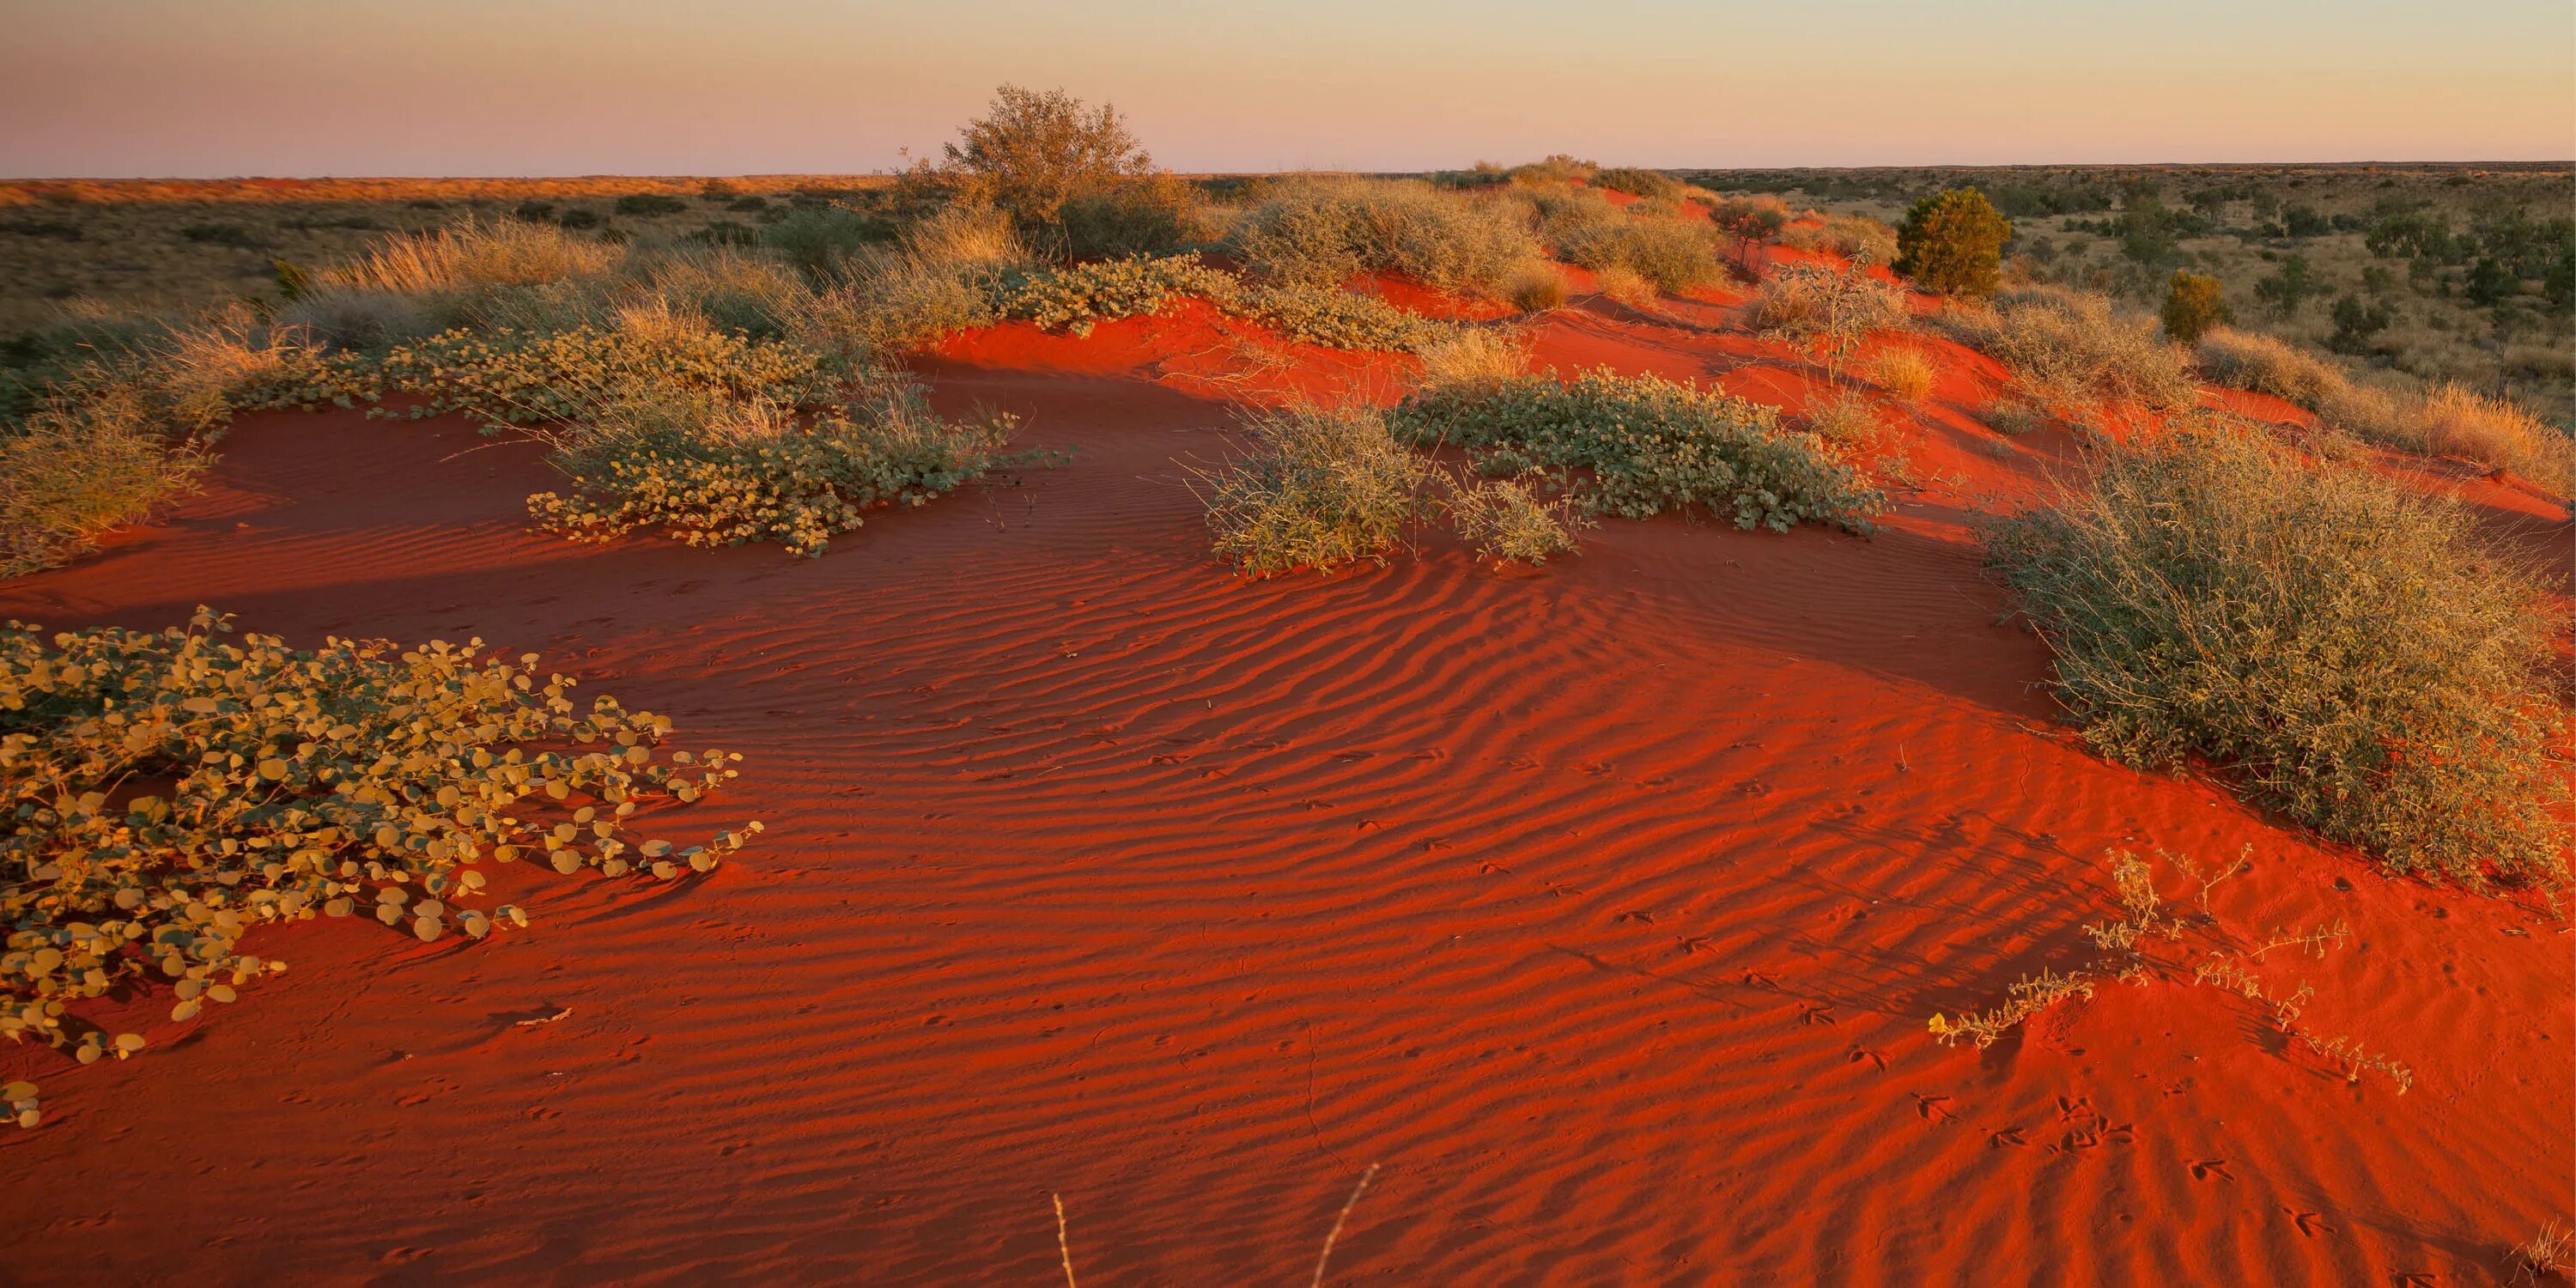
[1603, 905]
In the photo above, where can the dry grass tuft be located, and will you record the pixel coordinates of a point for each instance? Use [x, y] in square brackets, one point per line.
[1472, 358]
[80, 468]
[1906, 374]
[473, 255]
[2551, 1252]
[2453, 421]
[1535, 286]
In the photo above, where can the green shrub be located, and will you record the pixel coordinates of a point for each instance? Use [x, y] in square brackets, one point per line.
[1154, 215]
[1075, 297]
[724, 471]
[1650, 445]
[821, 240]
[1338, 319]
[2347, 652]
[79, 467]
[510, 378]
[2194, 305]
[278, 785]
[1322, 488]
[1319, 231]
[1952, 243]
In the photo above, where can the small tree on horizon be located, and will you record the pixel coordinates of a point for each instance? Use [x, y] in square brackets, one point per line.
[1952, 243]
[1034, 153]
[2194, 303]
[1751, 221]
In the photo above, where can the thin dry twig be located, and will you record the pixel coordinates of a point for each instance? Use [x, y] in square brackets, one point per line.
[1335, 1236]
[1063, 1246]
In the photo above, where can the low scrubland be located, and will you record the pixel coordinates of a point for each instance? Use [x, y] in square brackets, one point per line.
[2446, 420]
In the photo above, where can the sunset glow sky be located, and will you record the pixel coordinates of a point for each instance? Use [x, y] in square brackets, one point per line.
[508, 87]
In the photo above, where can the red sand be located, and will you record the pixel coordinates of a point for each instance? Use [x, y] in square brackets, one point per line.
[1603, 905]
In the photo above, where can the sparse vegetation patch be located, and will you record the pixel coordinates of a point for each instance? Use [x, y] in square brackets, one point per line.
[168, 792]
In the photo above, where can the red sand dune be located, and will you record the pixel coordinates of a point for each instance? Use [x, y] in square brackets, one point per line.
[1603, 905]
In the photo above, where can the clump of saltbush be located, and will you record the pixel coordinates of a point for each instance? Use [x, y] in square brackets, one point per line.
[1339, 319]
[1646, 445]
[1323, 487]
[167, 793]
[1321, 230]
[725, 471]
[1077, 296]
[2345, 652]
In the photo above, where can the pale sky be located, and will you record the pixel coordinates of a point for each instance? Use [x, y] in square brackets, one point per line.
[211, 88]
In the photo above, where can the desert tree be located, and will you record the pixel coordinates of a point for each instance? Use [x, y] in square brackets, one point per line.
[1952, 243]
[1063, 171]
[2194, 304]
[1751, 221]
